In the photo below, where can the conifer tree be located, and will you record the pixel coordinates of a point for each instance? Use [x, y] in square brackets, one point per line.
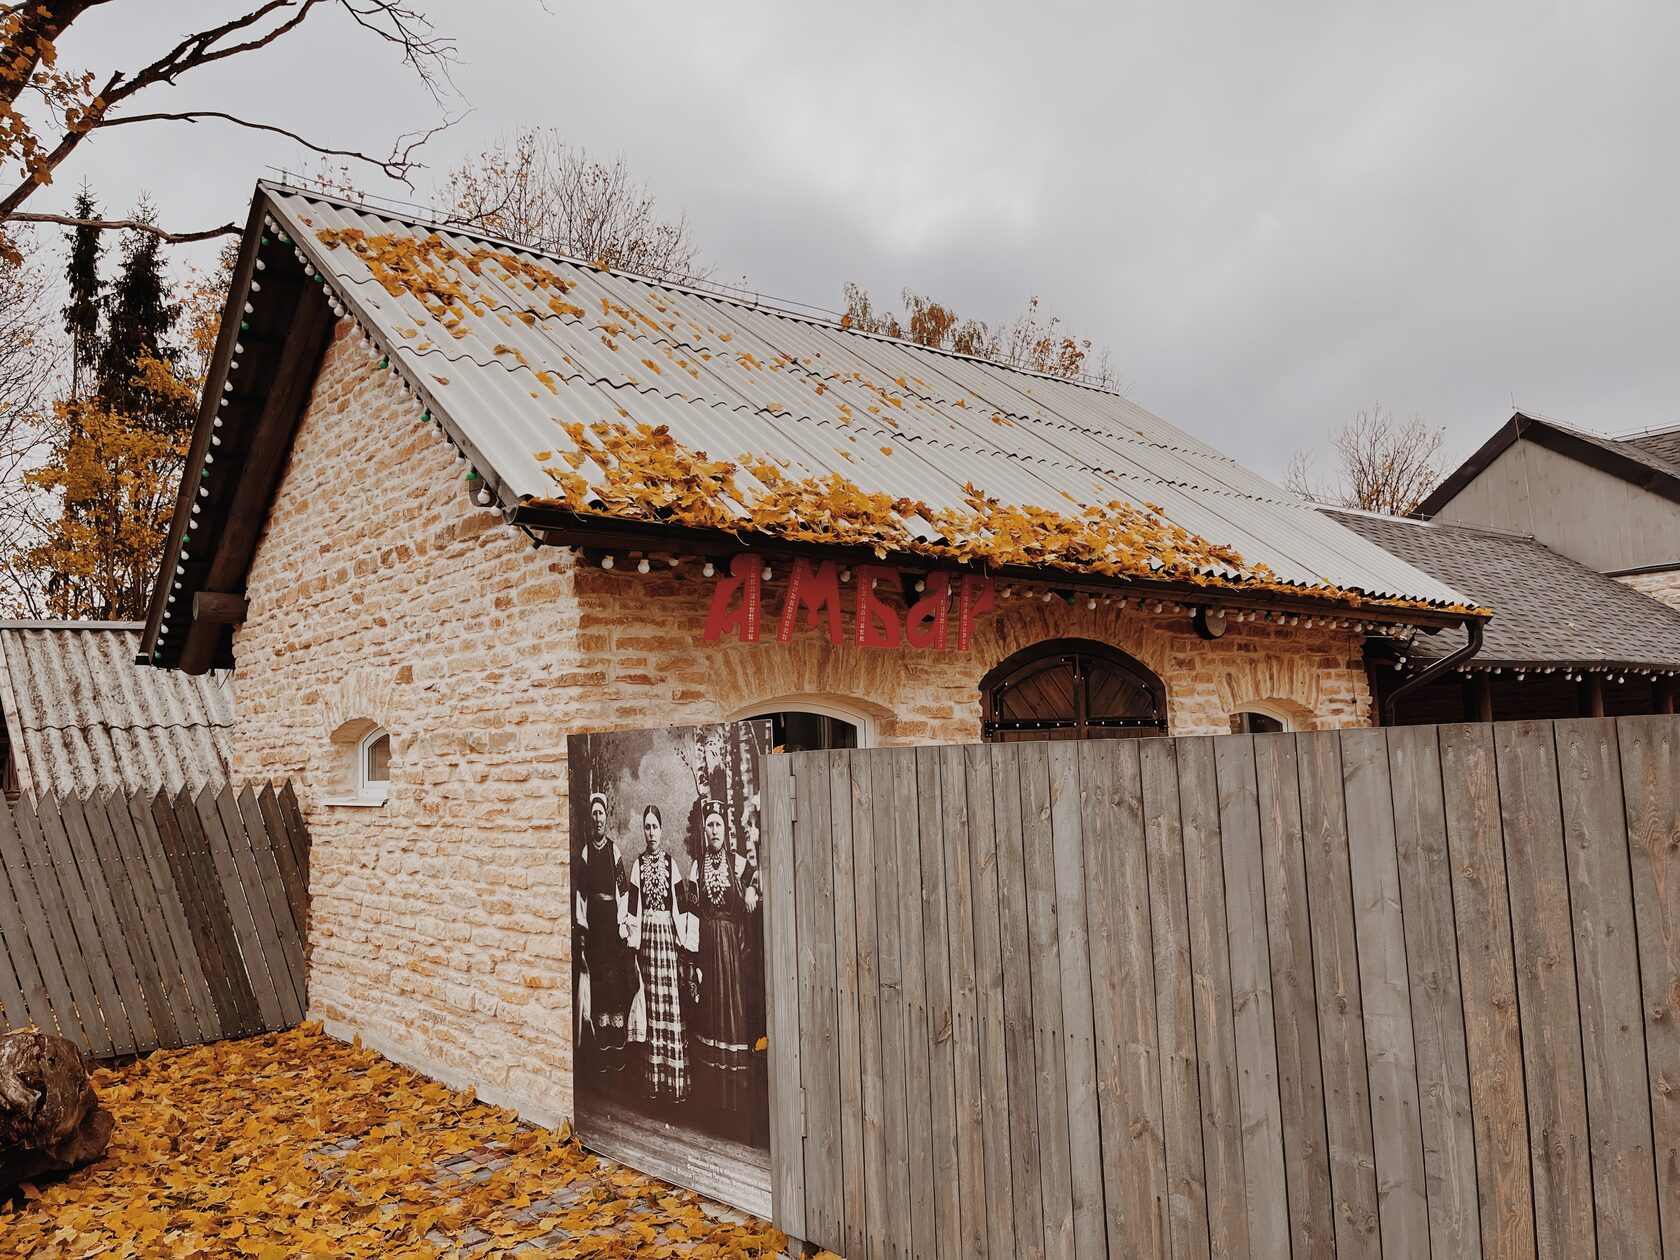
[140, 316]
[81, 312]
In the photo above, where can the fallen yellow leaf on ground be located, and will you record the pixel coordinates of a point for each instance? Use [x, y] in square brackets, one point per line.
[293, 1144]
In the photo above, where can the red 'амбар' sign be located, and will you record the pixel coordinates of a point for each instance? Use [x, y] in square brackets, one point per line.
[738, 605]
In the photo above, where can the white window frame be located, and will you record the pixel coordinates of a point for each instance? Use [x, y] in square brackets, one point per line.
[370, 793]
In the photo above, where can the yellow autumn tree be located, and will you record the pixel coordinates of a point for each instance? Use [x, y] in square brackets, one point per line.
[115, 456]
[115, 482]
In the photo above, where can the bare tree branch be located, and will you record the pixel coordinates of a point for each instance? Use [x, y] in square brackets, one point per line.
[399, 165]
[132, 225]
[28, 60]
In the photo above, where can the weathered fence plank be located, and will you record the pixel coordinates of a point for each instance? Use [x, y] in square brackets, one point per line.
[1294, 1001]
[1073, 947]
[813, 869]
[869, 1008]
[1546, 988]
[1385, 988]
[1210, 982]
[1340, 999]
[1607, 956]
[1175, 1011]
[1134, 1157]
[853, 1211]
[923, 1236]
[1055, 1166]
[937, 946]
[1449, 1144]
[1650, 748]
[20, 910]
[1261, 1110]
[194, 1013]
[1015, 947]
[787, 1140]
[991, 1025]
[896, 1206]
[962, 1043]
[1488, 978]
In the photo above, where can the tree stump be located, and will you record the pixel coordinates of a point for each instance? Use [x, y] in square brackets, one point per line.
[50, 1118]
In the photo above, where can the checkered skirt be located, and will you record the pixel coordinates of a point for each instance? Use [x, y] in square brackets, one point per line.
[667, 1050]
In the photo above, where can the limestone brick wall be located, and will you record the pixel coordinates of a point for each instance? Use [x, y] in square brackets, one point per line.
[1663, 584]
[439, 928]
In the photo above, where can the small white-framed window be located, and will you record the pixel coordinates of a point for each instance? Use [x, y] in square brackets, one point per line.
[373, 766]
[361, 764]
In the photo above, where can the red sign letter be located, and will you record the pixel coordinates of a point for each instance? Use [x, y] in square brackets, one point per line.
[747, 574]
[869, 608]
[817, 589]
[924, 623]
[976, 597]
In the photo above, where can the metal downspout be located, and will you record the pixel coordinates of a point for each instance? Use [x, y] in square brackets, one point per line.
[1474, 630]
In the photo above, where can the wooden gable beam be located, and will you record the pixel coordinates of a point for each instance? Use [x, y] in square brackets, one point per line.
[259, 475]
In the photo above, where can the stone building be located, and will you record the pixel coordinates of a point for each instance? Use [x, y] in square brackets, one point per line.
[451, 500]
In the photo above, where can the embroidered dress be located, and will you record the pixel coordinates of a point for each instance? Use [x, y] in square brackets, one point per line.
[601, 896]
[722, 1049]
[662, 925]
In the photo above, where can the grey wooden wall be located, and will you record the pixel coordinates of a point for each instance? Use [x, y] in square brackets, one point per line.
[130, 923]
[1393, 993]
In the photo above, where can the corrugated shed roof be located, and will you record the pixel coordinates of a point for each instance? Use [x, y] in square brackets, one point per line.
[512, 346]
[1549, 609]
[81, 716]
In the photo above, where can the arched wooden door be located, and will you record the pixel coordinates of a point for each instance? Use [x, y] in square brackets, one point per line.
[1072, 689]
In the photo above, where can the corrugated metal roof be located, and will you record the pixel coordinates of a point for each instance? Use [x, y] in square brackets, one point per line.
[511, 345]
[81, 716]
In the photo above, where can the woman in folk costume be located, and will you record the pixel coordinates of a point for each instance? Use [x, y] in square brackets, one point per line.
[601, 906]
[726, 895]
[662, 923]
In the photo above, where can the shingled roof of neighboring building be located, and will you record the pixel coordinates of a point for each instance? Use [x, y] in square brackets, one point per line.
[1549, 609]
[82, 717]
[580, 394]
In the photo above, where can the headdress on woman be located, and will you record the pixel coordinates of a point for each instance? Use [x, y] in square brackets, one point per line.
[598, 796]
[710, 807]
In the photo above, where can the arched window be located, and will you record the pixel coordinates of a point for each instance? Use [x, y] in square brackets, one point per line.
[809, 730]
[1257, 721]
[1072, 689]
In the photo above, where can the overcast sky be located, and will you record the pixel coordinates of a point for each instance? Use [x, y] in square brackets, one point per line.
[1271, 214]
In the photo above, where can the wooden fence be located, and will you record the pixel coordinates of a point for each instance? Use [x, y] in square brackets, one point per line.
[1391, 993]
[134, 923]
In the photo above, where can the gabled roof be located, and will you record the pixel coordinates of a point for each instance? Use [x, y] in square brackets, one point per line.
[1550, 609]
[1646, 460]
[589, 401]
[81, 716]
